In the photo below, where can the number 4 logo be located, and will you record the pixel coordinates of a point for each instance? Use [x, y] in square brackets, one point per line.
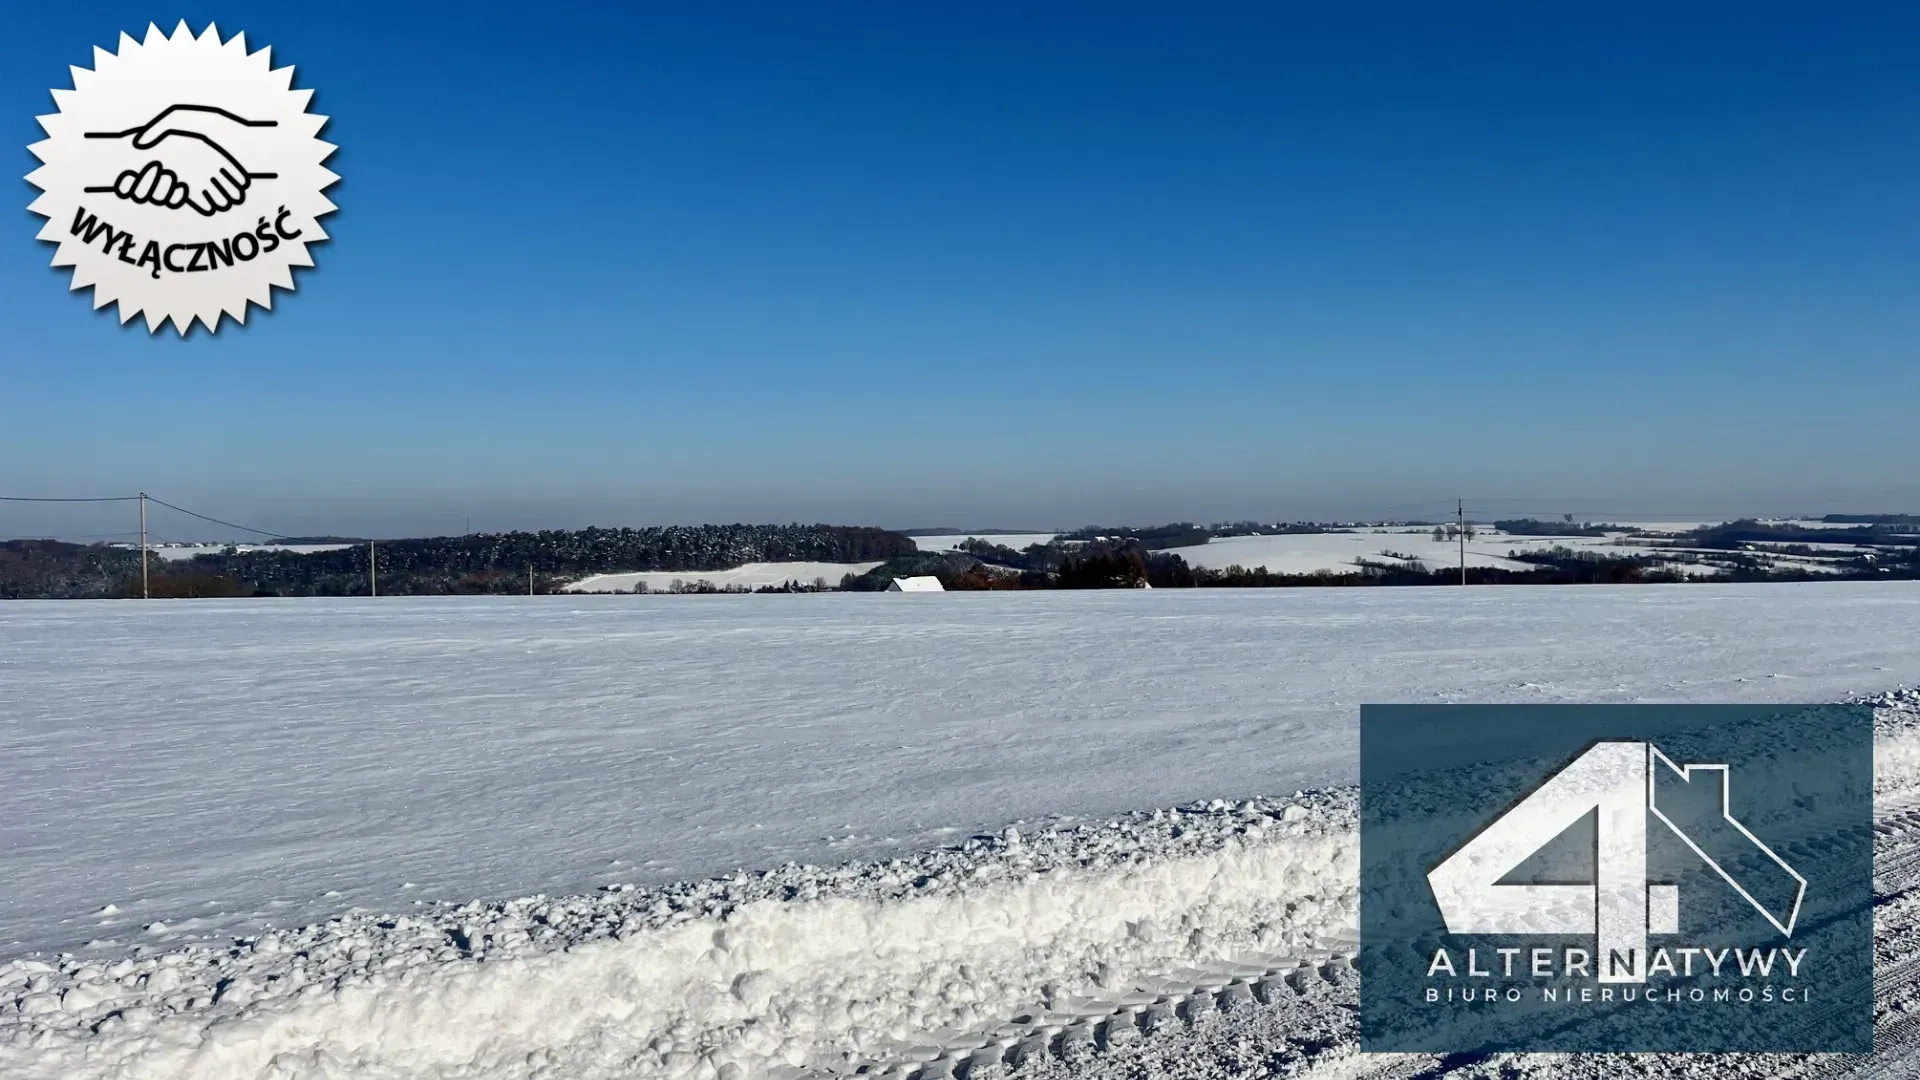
[1618, 782]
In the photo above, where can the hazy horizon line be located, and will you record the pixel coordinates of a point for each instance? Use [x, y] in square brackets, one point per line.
[1330, 521]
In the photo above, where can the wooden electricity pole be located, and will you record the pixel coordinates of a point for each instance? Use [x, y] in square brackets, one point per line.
[529, 579]
[144, 595]
[373, 572]
[1460, 522]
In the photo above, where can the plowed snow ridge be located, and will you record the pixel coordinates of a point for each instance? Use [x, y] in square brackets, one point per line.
[988, 947]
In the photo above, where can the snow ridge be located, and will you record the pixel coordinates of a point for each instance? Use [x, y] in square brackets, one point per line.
[798, 967]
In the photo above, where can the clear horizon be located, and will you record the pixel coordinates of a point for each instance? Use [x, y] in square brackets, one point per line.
[863, 264]
[118, 522]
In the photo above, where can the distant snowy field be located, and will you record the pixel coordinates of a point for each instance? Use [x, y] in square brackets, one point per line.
[1340, 552]
[750, 576]
[218, 766]
[1306, 553]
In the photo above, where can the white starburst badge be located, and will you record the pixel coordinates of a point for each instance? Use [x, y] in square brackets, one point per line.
[183, 178]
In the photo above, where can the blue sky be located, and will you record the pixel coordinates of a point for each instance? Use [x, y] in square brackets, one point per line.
[977, 265]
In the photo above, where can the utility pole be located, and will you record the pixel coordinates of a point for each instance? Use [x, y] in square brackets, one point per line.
[529, 579]
[144, 595]
[373, 572]
[1460, 521]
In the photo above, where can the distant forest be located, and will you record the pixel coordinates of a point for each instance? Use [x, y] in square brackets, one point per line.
[488, 563]
[1115, 557]
[1872, 519]
[1092, 558]
[1531, 527]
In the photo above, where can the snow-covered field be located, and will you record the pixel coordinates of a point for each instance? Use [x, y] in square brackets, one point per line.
[1306, 553]
[172, 774]
[257, 755]
[1339, 552]
[750, 576]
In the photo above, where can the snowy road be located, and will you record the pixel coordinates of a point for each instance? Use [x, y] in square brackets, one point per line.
[219, 766]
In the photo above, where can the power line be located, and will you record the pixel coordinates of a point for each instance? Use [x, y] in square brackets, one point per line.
[35, 498]
[1460, 522]
[137, 498]
[142, 499]
[216, 521]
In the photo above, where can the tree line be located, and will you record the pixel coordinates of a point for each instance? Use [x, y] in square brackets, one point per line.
[484, 563]
[504, 562]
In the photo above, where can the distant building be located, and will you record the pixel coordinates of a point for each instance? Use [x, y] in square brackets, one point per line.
[915, 584]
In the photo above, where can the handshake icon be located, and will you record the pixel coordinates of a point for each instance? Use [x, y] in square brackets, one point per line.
[185, 164]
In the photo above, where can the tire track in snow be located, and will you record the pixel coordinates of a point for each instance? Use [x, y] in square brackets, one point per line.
[1071, 1028]
[1897, 989]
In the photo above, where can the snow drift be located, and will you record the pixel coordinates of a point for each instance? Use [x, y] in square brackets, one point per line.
[744, 976]
[799, 966]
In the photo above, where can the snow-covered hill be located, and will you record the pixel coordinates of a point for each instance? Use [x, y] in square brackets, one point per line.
[749, 576]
